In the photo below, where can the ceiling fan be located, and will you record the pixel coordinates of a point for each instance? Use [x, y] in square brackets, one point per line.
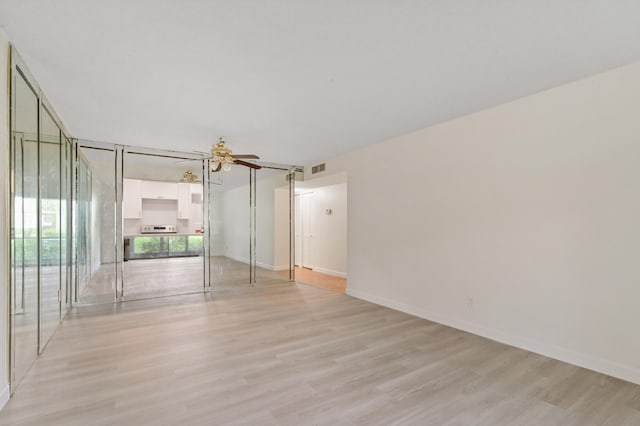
[222, 158]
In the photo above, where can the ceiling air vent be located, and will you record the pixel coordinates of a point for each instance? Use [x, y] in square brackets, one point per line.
[317, 169]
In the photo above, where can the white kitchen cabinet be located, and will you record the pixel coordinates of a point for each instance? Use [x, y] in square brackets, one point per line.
[196, 193]
[132, 198]
[184, 201]
[152, 189]
[196, 188]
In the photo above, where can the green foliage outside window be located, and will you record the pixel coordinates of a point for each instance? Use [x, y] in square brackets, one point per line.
[27, 239]
[195, 243]
[146, 245]
[169, 245]
[177, 244]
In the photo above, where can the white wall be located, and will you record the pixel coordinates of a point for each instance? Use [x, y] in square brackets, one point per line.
[102, 226]
[216, 216]
[266, 219]
[235, 222]
[281, 229]
[520, 223]
[4, 220]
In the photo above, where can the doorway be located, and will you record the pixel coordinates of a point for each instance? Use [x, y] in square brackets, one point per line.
[321, 232]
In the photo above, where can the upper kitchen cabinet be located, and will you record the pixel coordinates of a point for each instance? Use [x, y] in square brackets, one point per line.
[188, 194]
[159, 190]
[196, 192]
[184, 201]
[131, 199]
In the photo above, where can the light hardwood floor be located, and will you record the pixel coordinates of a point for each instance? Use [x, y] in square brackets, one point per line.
[283, 353]
[318, 279]
[145, 278]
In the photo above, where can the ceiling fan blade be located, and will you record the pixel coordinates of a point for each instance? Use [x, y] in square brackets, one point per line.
[252, 156]
[247, 164]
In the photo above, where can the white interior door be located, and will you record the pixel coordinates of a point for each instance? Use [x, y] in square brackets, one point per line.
[298, 231]
[306, 230]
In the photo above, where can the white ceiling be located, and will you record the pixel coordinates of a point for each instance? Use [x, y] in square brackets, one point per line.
[300, 81]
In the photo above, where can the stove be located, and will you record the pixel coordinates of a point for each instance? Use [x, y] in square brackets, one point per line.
[158, 229]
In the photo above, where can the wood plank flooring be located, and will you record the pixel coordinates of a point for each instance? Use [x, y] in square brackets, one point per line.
[279, 353]
[318, 279]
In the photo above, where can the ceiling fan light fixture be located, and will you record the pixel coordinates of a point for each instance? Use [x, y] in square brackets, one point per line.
[189, 177]
[222, 158]
[220, 149]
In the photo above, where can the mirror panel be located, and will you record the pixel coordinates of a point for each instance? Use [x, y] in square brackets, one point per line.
[229, 228]
[163, 225]
[51, 219]
[272, 226]
[96, 221]
[24, 227]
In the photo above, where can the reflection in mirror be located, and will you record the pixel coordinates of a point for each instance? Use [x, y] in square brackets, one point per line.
[272, 226]
[82, 227]
[24, 245]
[242, 236]
[229, 228]
[65, 223]
[95, 215]
[51, 219]
[163, 224]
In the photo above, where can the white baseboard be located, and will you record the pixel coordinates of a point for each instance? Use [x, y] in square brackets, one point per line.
[329, 272]
[285, 267]
[258, 264]
[265, 266]
[4, 396]
[600, 365]
[238, 259]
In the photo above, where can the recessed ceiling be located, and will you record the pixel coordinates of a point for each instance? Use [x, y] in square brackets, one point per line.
[299, 82]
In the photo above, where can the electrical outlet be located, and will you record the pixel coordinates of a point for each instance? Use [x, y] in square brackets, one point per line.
[470, 302]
